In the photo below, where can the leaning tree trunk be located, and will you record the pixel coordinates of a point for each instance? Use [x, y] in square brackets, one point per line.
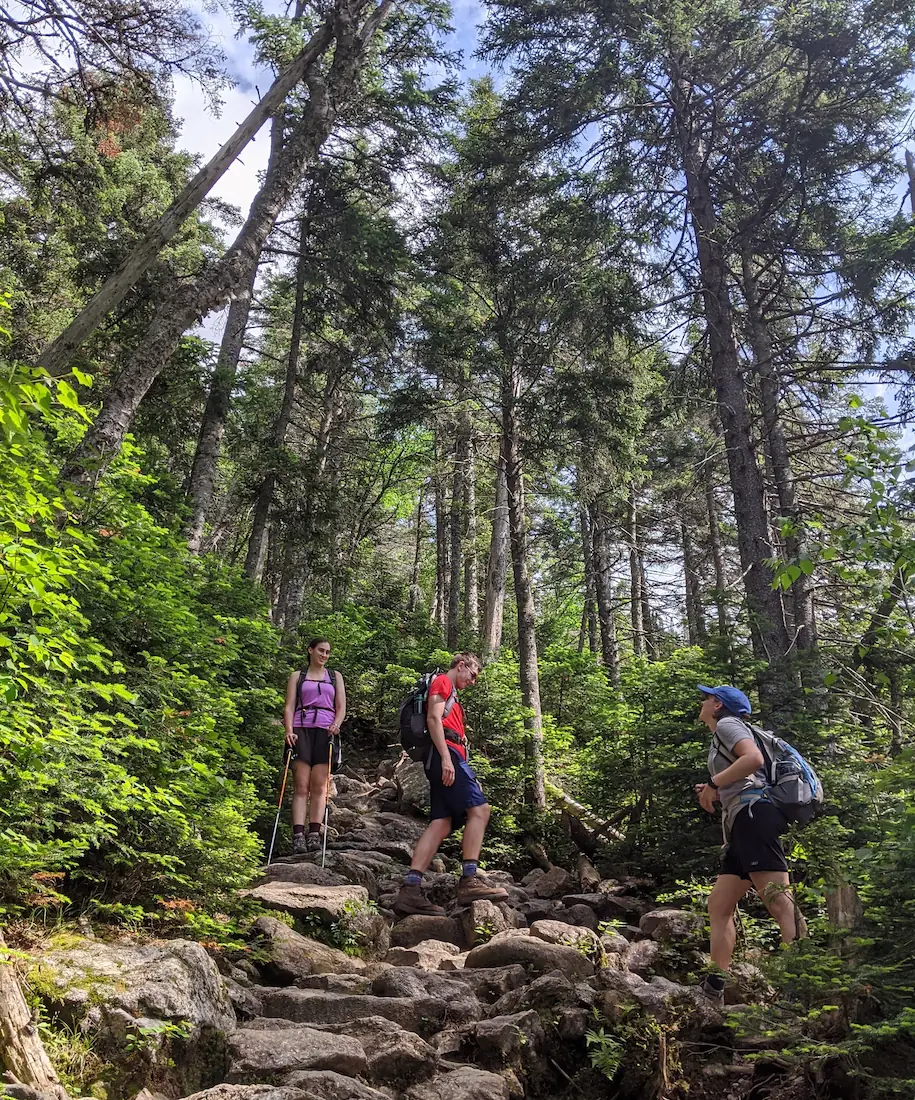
[202, 481]
[779, 455]
[56, 357]
[636, 602]
[219, 285]
[22, 1052]
[767, 621]
[497, 566]
[524, 594]
[603, 576]
[264, 501]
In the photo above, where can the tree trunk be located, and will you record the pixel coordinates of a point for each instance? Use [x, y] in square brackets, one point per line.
[268, 486]
[217, 286]
[636, 602]
[416, 595]
[456, 543]
[209, 444]
[442, 574]
[603, 576]
[779, 455]
[524, 594]
[21, 1049]
[721, 577]
[695, 619]
[588, 617]
[767, 623]
[471, 571]
[497, 566]
[651, 644]
[302, 535]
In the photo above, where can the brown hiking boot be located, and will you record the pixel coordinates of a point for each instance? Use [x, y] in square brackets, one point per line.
[476, 888]
[411, 901]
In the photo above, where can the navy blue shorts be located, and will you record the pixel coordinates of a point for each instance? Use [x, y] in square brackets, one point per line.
[456, 800]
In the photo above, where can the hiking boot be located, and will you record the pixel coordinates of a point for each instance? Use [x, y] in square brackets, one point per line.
[476, 888]
[299, 844]
[313, 842]
[411, 901]
[716, 996]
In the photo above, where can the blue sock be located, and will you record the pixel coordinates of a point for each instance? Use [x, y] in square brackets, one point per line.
[413, 878]
[470, 868]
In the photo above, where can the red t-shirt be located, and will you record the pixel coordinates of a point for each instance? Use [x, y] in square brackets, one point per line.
[454, 719]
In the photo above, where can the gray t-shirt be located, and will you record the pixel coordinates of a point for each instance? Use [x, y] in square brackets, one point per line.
[734, 797]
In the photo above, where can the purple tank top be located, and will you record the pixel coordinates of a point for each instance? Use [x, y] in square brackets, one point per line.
[316, 703]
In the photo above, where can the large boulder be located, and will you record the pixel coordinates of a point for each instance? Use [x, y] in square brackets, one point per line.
[393, 1055]
[504, 1040]
[427, 955]
[288, 955]
[253, 1092]
[326, 1085]
[311, 1006]
[552, 884]
[412, 785]
[325, 903]
[413, 930]
[459, 1002]
[547, 994]
[256, 1055]
[159, 1011]
[608, 906]
[672, 924]
[642, 956]
[302, 874]
[466, 1083]
[531, 952]
[490, 983]
[481, 920]
[568, 935]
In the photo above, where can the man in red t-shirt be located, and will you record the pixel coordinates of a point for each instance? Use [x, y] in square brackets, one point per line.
[455, 796]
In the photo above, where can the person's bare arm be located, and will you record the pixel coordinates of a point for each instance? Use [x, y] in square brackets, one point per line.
[289, 709]
[749, 759]
[434, 716]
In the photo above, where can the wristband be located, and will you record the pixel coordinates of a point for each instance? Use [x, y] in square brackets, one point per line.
[713, 784]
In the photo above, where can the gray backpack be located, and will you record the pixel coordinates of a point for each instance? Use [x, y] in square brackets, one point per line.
[794, 788]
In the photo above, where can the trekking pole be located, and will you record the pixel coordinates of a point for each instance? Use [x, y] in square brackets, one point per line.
[330, 760]
[287, 756]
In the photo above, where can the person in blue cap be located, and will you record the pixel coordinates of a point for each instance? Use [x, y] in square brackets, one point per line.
[752, 830]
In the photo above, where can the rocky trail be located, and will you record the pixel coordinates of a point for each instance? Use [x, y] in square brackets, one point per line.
[490, 1002]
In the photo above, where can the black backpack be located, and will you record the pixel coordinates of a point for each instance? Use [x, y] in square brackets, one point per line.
[414, 732]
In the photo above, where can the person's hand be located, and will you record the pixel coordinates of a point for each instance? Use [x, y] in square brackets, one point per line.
[447, 770]
[333, 729]
[707, 796]
[292, 739]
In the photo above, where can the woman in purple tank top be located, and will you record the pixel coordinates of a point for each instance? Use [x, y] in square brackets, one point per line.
[315, 709]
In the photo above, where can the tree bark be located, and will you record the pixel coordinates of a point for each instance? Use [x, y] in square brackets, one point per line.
[416, 595]
[456, 541]
[767, 622]
[588, 618]
[524, 594]
[202, 481]
[21, 1050]
[779, 455]
[721, 577]
[212, 290]
[695, 619]
[636, 602]
[442, 573]
[471, 570]
[497, 566]
[57, 356]
[265, 493]
[603, 576]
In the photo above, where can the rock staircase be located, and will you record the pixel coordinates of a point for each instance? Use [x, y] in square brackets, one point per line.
[490, 1002]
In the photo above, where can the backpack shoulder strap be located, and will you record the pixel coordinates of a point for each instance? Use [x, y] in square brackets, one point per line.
[450, 701]
[298, 692]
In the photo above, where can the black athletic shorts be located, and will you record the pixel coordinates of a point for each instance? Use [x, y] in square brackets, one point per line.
[312, 746]
[754, 844]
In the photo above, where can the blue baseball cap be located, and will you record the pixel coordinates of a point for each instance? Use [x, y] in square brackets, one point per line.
[733, 698]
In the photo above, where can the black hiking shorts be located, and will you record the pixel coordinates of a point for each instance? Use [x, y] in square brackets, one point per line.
[453, 802]
[313, 745]
[755, 843]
